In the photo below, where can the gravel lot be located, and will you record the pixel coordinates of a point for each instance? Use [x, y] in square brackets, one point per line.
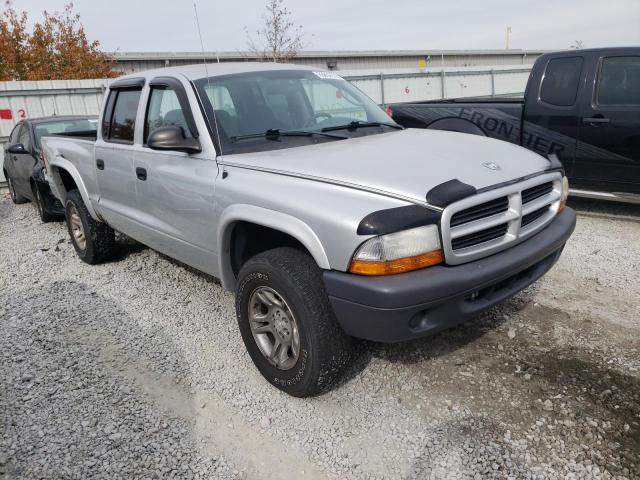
[136, 369]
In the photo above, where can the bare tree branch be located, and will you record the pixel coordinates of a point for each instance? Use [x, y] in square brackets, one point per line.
[279, 39]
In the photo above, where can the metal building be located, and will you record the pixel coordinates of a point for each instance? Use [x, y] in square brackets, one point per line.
[128, 62]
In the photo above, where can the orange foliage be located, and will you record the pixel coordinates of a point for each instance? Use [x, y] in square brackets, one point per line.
[56, 49]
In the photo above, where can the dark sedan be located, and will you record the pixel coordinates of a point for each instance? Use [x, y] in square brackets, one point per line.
[24, 164]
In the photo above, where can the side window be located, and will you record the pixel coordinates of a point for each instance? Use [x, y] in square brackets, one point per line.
[164, 110]
[619, 81]
[561, 80]
[13, 138]
[108, 113]
[24, 138]
[123, 121]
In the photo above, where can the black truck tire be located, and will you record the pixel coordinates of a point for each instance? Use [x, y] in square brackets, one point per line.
[292, 281]
[94, 241]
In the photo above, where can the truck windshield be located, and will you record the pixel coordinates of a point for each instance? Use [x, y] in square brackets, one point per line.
[248, 105]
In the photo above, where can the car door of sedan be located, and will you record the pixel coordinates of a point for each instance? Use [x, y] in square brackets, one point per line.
[176, 189]
[23, 163]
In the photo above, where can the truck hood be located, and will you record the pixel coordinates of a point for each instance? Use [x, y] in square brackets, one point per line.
[402, 164]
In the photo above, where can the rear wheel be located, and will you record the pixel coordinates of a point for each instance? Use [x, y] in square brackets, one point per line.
[94, 241]
[15, 196]
[287, 323]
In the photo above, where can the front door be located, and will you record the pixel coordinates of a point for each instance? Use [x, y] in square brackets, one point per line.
[175, 189]
[114, 160]
[608, 153]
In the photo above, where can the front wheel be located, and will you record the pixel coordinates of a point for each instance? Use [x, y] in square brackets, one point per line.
[94, 241]
[287, 323]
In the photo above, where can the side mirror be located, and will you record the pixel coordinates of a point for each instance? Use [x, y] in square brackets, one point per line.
[172, 138]
[16, 149]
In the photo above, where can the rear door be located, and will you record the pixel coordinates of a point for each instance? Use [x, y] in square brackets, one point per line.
[114, 155]
[552, 110]
[175, 189]
[608, 154]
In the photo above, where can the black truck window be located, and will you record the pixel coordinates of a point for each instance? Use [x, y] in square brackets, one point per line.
[123, 121]
[560, 82]
[619, 81]
[108, 113]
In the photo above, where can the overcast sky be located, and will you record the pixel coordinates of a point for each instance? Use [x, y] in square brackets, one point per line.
[131, 25]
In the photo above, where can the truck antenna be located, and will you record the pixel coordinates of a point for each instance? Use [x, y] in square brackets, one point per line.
[206, 72]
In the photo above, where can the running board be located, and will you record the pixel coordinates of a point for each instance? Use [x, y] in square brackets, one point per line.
[610, 196]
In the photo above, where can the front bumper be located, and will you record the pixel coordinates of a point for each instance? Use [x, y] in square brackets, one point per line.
[410, 305]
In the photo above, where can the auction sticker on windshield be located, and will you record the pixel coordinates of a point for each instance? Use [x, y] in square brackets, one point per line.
[328, 75]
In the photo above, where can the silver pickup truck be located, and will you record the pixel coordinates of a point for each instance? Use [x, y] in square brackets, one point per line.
[327, 219]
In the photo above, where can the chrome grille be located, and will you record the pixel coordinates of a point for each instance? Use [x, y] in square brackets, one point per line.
[491, 221]
[480, 211]
[535, 192]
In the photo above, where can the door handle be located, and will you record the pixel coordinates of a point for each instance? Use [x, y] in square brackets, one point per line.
[14, 158]
[141, 173]
[100, 164]
[595, 121]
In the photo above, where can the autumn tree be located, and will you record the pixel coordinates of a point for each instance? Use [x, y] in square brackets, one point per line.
[56, 48]
[279, 39]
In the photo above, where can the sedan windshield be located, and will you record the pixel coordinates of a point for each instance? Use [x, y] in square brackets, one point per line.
[300, 105]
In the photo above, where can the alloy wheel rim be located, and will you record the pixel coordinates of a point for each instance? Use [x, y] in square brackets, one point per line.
[274, 328]
[77, 229]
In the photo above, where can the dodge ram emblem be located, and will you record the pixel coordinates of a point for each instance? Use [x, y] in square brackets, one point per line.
[491, 166]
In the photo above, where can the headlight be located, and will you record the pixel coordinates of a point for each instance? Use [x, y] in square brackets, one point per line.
[398, 252]
[565, 193]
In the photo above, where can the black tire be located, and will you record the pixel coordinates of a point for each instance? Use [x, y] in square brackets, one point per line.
[324, 348]
[99, 237]
[15, 196]
[41, 206]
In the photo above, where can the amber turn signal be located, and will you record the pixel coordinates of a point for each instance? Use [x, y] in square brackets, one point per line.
[401, 265]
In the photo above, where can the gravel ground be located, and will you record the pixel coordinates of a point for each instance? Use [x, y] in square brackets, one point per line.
[136, 369]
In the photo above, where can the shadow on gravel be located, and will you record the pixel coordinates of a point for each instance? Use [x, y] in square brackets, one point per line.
[71, 406]
[456, 447]
[125, 246]
[600, 393]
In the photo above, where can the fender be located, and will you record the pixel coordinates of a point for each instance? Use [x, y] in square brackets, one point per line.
[59, 162]
[460, 125]
[267, 218]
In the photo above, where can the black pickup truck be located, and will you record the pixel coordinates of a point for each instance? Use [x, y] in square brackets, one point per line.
[581, 105]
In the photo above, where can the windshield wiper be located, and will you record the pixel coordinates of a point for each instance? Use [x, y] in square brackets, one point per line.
[358, 124]
[275, 133]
